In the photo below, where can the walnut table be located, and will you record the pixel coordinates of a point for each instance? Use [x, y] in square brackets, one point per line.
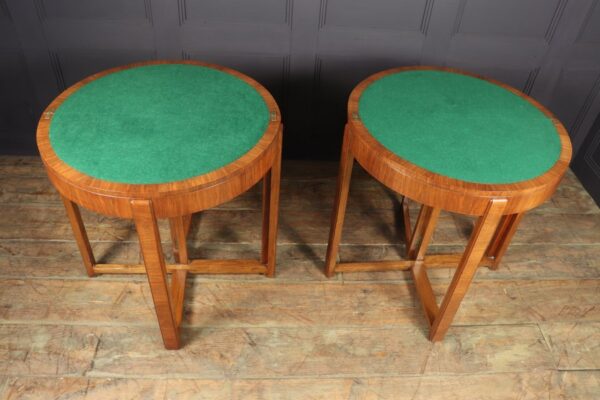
[450, 141]
[164, 140]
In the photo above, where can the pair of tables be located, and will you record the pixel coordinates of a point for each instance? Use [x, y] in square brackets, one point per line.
[168, 139]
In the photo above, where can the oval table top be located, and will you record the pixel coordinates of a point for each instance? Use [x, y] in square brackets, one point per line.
[158, 123]
[459, 126]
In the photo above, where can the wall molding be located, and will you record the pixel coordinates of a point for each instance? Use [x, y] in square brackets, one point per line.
[588, 157]
[57, 70]
[530, 82]
[587, 104]
[297, 50]
[550, 30]
[586, 22]
[182, 10]
[555, 20]
[460, 11]
[40, 9]
[148, 11]
[289, 12]
[323, 6]
[42, 13]
[424, 28]
[285, 79]
[4, 10]
[423, 25]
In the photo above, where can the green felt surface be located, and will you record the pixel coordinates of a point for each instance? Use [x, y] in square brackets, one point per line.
[458, 126]
[158, 123]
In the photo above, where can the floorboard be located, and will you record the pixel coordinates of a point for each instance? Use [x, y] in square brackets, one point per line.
[528, 330]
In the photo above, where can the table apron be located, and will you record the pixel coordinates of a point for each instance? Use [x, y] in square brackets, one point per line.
[463, 202]
[180, 203]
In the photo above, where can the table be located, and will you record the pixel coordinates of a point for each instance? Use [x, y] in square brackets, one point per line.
[453, 141]
[164, 139]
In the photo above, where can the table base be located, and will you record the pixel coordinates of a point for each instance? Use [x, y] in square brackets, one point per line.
[168, 295]
[490, 238]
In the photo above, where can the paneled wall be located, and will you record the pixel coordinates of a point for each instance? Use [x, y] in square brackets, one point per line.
[587, 163]
[309, 53]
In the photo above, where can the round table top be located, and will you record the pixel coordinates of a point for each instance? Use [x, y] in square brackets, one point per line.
[158, 123]
[459, 126]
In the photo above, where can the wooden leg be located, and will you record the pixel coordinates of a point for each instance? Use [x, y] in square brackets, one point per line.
[266, 196]
[419, 272]
[406, 221]
[504, 234]
[80, 235]
[177, 292]
[270, 211]
[478, 243]
[187, 223]
[424, 290]
[179, 229]
[426, 233]
[423, 222]
[339, 205]
[154, 261]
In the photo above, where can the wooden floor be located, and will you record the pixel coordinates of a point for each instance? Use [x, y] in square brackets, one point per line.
[529, 330]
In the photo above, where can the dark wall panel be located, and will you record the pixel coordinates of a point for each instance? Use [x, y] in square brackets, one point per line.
[93, 9]
[587, 162]
[309, 53]
[375, 14]
[18, 108]
[72, 65]
[237, 11]
[518, 18]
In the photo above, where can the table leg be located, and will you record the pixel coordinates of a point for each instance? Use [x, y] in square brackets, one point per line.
[424, 228]
[81, 237]
[504, 234]
[426, 222]
[154, 261]
[407, 229]
[478, 243]
[179, 229]
[270, 214]
[339, 205]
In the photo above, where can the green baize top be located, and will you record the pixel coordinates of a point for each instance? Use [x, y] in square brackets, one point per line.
[158, 123]
[459, 126]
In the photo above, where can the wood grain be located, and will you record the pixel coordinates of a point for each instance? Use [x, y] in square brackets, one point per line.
[156, 271]
[270, 213]
[514, 325]
[480, 240]
[409, 180]
[81, 237]
[543, 384]
[288, 352]
[374, 227]
[339, 205]
[195, 267]
[308, 186]
[491, 203]
[51, 350]
[170, 199]
[259, 303]
[575, 346]
[177, 201]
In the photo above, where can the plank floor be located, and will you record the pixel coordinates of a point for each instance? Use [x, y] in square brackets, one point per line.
[530, 330]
